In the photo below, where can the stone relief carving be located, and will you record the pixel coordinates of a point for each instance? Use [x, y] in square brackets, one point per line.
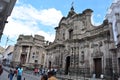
[96, 49]
[82, 27]
[84, 45]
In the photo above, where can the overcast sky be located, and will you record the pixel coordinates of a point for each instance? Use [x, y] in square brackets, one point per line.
[31, 17]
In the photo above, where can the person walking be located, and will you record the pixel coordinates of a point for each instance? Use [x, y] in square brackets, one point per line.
[51, 76]
[19, 73]
[10, 75]
[1, 70]
[44, 77]
[15, 72]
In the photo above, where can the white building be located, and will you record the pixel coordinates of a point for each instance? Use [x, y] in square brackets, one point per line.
[112, 16]
[7, 55]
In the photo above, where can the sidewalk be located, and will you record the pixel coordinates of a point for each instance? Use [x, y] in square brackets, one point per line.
[69, 77]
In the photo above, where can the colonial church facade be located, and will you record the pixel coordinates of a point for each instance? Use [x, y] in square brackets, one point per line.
[80, 47]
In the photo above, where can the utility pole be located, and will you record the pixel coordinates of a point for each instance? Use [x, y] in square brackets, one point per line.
[6, 42]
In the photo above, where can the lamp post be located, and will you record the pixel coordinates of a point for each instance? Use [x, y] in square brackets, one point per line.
[6, 7]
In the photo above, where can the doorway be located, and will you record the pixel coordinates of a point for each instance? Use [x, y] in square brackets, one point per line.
[49, 65]
[23, 58]
[119, 65]
[98, 67]
[67, 65]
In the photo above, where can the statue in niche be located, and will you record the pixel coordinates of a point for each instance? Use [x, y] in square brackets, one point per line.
[96, 51]
[82, 27]
[82, 57]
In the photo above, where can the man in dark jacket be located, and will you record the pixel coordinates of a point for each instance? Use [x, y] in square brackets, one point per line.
[1, 69]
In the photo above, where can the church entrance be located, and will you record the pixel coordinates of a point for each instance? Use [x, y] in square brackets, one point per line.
[23, 58]
[98, 67]
[67, 65]
[49, 65]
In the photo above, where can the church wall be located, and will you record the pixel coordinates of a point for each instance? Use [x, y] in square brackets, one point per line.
[86, 47]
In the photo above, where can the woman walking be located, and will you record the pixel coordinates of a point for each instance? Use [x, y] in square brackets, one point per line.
[10, 75]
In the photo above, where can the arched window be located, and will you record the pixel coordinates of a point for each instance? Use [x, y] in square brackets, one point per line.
[71, 34]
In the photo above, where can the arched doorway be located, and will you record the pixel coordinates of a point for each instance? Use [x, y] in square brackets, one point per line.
[67, 65]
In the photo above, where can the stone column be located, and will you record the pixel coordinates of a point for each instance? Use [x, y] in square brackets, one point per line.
[20, 51]
[28, 53]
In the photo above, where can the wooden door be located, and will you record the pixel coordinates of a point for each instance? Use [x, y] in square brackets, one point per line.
[98, 67]
[67, 64]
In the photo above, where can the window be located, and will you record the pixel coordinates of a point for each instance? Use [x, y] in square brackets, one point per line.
[82, 57]
[33, 57]
[71, 34]
[33, 53]
[36, 61]
[63, 36]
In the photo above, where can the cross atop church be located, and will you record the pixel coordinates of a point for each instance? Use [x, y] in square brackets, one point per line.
[72, 6]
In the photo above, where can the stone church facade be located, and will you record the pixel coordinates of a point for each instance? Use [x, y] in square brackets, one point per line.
[29, 51]
[80, 47]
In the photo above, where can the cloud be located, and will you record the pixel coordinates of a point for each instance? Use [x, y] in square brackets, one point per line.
[115, 1]
[49, 17]
[93, 21]
[98, 15]
[25, 19]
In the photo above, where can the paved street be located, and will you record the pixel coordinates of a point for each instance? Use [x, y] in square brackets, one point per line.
[4, 76]
[30, 76]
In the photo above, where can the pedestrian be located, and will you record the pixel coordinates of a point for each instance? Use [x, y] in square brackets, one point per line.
[19, 73]
[44, 77]
[15, 72]
[10, 75]
[115, 76]
[51, 76]
[1, 71]
[94, 75]
[35, 71]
